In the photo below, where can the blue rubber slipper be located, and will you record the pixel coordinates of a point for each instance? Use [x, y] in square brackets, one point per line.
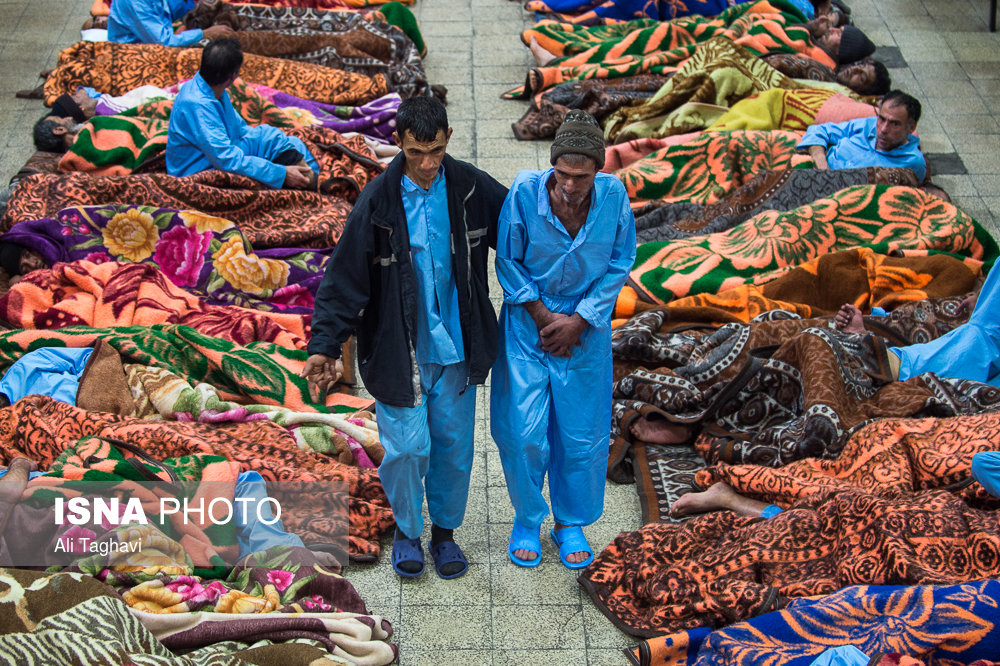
[573, 541]
[522, 538]
[407, 550]
[448, 552]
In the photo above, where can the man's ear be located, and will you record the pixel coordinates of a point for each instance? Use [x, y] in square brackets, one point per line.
[447, 136]
[59, 130]
[397, 139]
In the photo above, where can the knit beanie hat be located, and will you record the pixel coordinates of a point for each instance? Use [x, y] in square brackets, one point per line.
[854, 45]
[579, 133]
[10, 258]
[66, 107]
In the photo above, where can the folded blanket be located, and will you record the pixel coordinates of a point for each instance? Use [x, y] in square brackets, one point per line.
[207, 256]
[72, 618]
[115, 69]
[268, 217]
[881, 217]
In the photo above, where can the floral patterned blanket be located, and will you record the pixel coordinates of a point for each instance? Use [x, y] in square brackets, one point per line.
[958, 624]
[204, 255]
[880, 217]
[70, 617]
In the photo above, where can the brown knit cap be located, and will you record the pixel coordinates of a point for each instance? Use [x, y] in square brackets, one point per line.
[579, 133]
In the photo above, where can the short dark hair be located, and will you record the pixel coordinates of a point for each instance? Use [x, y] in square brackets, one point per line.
[221, 59]
[900, 98]
[882, 82]
[422, 117]
[45, 137]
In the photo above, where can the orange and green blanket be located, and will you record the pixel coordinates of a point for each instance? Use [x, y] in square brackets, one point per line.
[883, 218]
[820, 286]
[653, 47]
[119, 144]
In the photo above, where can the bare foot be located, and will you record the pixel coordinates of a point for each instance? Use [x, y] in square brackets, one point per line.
[720, 496]
[573, 558]
[848, 319]
[660, 431]
[528, 555]
[542, 57]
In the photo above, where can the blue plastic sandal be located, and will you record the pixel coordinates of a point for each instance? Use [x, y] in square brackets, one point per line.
[407, 550]
[522, 538]
[573, 541]
[447, 552]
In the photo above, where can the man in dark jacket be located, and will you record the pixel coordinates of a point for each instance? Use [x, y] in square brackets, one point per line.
[409, 275]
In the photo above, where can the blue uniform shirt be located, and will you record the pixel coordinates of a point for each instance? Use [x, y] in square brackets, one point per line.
[439, 330]
[150, 22]
[537, 258]
[203, 134]
[851, 145]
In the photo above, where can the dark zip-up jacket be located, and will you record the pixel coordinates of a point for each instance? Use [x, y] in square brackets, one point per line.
[370, 286]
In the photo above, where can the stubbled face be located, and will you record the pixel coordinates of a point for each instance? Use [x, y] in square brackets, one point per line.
[830, 42]
[858, 76]
[30, 260]
[574, 180]
[67, 128]
[423, 158]
[893, 126]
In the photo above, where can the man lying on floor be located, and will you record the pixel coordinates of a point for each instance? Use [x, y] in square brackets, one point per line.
[151, 22]
[206, 132]
[970, 351]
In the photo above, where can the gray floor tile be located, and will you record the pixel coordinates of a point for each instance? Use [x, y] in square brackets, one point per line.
[538, 627]
[451, 657]
[547, 657]
[472, 589]
[448, 627]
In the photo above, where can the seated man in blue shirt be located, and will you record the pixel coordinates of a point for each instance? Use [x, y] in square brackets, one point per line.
[205, 132]
[151, 22]
[886, 140]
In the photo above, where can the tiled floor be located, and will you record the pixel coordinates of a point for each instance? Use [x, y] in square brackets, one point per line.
[499, 613]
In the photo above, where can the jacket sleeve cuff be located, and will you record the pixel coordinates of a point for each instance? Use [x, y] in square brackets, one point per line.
[326, 346]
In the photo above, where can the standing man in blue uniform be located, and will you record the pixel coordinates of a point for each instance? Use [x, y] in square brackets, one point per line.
[205, 132]
[151, 22]
[409, 275]
[565, 246]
